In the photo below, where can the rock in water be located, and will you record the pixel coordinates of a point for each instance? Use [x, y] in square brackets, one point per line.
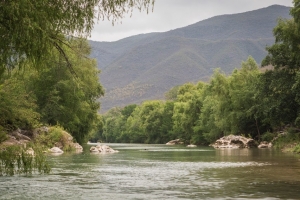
[173, 142]
[264, 145]
[234, 142]
[94, 150]
[191, 145]
[78, 147]
[55, 150]
[102, 149]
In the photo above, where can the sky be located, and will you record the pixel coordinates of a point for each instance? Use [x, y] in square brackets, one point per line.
[172, 14]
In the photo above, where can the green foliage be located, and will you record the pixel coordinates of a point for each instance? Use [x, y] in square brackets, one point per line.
[284, 55]
[200, 114]
[48, 139]
[268, 136]
[33, 30]
[150, 122]
[67, 99]
[296, 149]
[172, 93]
[17, 104]
[54, 95]
[56, 135]
[3, 135]
[287, 140]
[15, 160]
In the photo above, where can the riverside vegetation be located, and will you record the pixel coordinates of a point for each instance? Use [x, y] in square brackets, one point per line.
[47, 77]
[260, 103]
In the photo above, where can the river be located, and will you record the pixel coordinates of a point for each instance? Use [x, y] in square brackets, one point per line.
[149, 172]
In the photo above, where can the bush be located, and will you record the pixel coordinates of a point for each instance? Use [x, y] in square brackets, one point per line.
[55, 137]
[268, 136]
[287, 140]
[296, 149]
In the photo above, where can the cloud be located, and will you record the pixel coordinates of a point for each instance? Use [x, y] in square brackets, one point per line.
[172, 14]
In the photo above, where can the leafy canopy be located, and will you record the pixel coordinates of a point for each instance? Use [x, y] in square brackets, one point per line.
[30, 29]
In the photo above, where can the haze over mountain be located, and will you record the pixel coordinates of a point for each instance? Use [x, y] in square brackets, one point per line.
[144, 67]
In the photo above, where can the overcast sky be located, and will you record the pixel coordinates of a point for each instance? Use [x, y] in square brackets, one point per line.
[172, 14]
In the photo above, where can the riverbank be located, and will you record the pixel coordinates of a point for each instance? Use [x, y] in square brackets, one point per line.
[24, 151]
[46, 137]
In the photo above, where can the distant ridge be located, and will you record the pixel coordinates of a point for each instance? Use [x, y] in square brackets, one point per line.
[145, 66]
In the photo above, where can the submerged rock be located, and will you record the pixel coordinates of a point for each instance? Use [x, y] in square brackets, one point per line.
[191, 145]
[102, 149]
[234, 142]
[173, 142]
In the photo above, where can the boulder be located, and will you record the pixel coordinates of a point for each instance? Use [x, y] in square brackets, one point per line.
[191, 145]
[265, 145]
[38, 131]
[18, 135]
[55, 150]
[78, 147]
[234, 142]
[173, 142]
[102, 149]
[94, 150]
[12, 140]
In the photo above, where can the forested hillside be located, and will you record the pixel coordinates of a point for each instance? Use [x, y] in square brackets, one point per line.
[144, 67]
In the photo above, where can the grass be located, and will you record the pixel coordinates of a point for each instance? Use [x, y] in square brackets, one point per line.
[15, 160]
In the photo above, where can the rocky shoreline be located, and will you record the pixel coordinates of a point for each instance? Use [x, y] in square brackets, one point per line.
[236, 142]
[24, 137]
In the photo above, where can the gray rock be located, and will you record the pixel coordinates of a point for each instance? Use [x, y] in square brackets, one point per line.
[173, 142]
[265, 145]
[17, 134]
[102, 149]
[56, 150]
[234, 142]
[78, 147]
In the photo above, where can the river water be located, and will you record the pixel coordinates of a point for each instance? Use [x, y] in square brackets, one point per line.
[149, 172]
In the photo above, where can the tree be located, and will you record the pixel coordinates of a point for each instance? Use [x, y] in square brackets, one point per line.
[32, 30]
[172, 93]
[243, 89]
[187, 110]
[65, 99]
[17, 105]
[284, 55]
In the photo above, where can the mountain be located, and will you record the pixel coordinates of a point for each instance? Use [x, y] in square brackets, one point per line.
[145, 66]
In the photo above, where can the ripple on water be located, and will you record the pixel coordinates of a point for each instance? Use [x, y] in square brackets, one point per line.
[132, 174]
[165, 176]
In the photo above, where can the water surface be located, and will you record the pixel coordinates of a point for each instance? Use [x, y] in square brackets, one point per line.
[142, 171]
